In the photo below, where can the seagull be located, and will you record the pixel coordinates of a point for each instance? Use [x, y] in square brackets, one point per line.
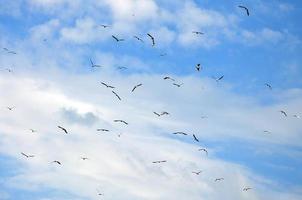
[10, 108]
[296, 116]
[94, 65]
[177, 85]
[117, 39]
[122, 68]
[197, 173]
[203, 150]
[58, 162]
[219, 179]
[152, 38]
[204, 117]
[84, 158]
[136, 87]
[180, 133]
[101, 129]
[33, 131]
[63, 129]
[246, 188]
[160, 161]
[108, 86]
[269, 86]
[168, 78]
[139, 39]
[104, 26]
[99, 193]
[266, 131]
[198, 67]
[283, 112]
[246, 9]
[195, 138]
[163, 54]
[116, 95]
[9, 51]
[122, 121]
[197, 32]
[27, 156]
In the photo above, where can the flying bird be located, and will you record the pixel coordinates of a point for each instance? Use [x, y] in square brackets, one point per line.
[121, 68]
[246, 9]
[164, 113]
[104, 26]
[9, 51]
[163, 54]
[101, 129]
[117, 39]
[63, 129]
[197, 32]
[32, 130]
[27, 156]
[122, 121]
[116, 95]
[266, 131]
[84, 158]
[219, 78]
[168, 78]
[203, 150]
[269, 86]
[283, 112]
[177, 85]
[156, 114]
[136, 87]
[180, 133]
[94, 65]
[160, 161]
[219, 179]
[246, 188]
[296, 116]
[108, 86]
[10, 108]
[197, 173]
[198, 67]
[139, 39]
[58, 162]
[152, 39]
[195, 138]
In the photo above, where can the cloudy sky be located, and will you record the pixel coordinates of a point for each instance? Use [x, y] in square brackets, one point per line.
[47, 80]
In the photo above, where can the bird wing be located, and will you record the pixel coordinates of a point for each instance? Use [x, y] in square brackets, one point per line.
[116, 95]
[115, 38]
[152, 38]
[195, 138]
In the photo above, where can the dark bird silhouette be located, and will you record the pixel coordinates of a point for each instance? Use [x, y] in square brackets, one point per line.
[94, 65]
[168, 78]
[117, 39]
[116, 95]
[203, 149]
[104, 26]
[266, 131]
[152, 39]
[121, 68]
[204, 117]
[283, 112]
[296, 116]
[197, 173]
[99, 193]
[108, 86]
[136, 87]
[246, 188]
[159, 161]
[195, 138]
[197, 32]
[10, 108]
[198, 67]
[163, 54]
[122, 121]
[219, 179]
[180, 133]
[177, 85]
[84, 158]
[139, 39]
[101, 129]
[164, 113]
[9, 51]
[58, 162]
[219, 78]
[8, 70]
[269, 86]
[27, 156]
[246, 9]
[63, 129]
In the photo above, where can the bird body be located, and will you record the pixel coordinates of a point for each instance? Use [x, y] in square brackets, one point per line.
[139, 39]
[246, 188]
[198, 67]
[219, 179]
[269, 86]
[101, 129]
[197, 173]
[10, 108]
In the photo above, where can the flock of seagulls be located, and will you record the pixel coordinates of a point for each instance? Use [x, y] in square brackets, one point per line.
[198, 68]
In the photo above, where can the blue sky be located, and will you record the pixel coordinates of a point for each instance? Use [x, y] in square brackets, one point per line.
[52, 83]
